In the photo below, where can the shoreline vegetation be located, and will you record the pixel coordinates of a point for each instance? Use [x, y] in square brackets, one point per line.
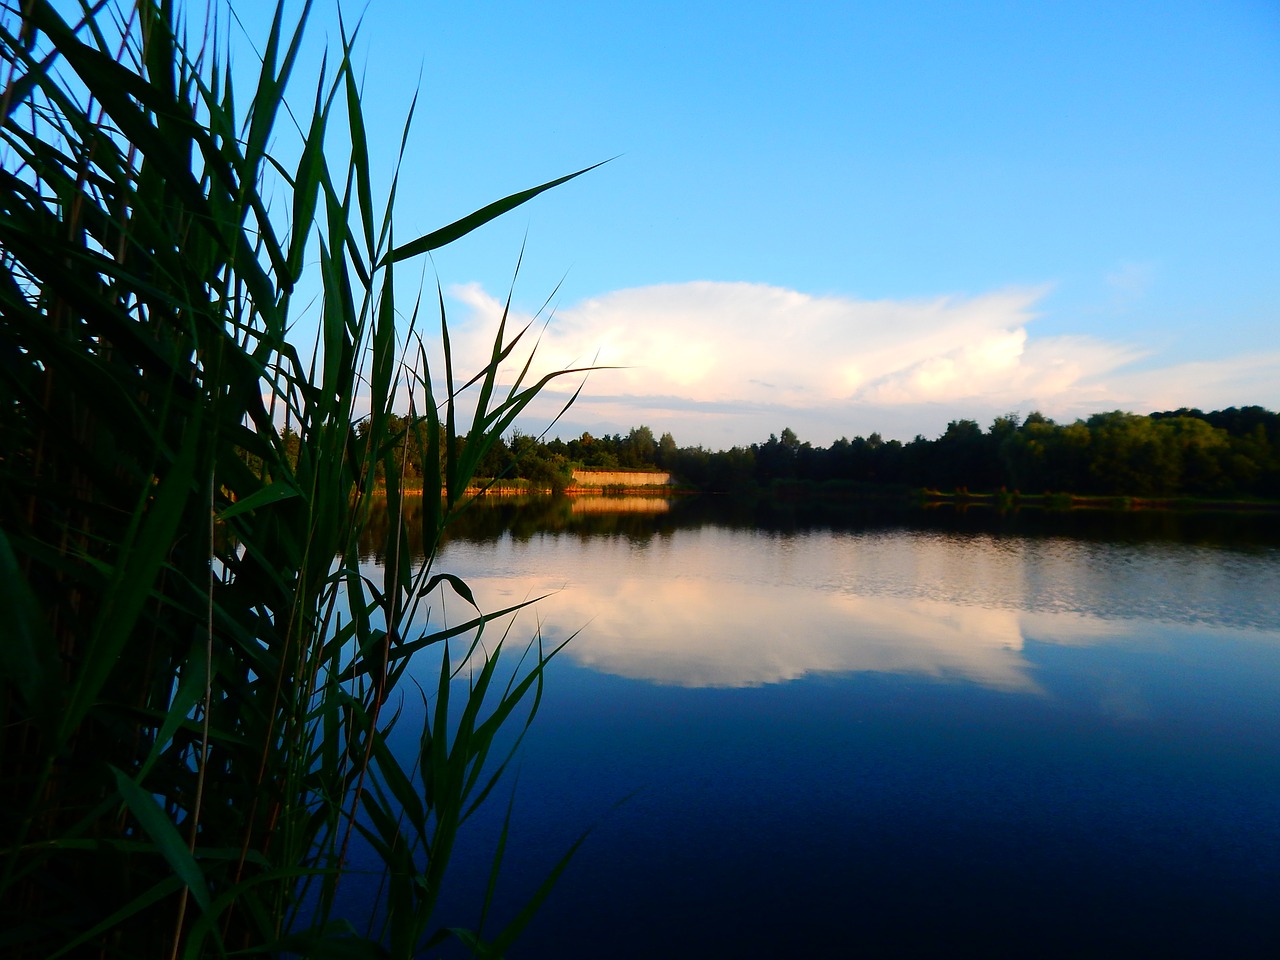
[1172, 459]
[921, 498]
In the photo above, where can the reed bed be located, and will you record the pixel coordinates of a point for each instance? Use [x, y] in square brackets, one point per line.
[198, 681]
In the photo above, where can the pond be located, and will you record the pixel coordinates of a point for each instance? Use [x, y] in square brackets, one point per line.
[832, 733]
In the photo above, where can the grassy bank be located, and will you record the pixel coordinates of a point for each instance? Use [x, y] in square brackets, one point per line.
[1005, 500]
[897, 494]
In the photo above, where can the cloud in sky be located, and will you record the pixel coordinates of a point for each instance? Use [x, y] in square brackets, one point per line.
[728, 362]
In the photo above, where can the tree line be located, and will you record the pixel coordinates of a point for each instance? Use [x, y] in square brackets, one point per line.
[1186, 452]
[1232, 452]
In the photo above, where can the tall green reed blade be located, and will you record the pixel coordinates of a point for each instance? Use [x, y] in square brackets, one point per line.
[460, 228]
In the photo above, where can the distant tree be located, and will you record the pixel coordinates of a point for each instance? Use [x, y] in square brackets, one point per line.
[959, 458]
[1132, 454]
[551, 472]
[1025, 454]
[497, 461]
[639, 449]
[691, 465]
[1004, 427]
[291, 444]
[665, 456]
[732, 470]
[1204, 453]
[1070, 458]
[775, 459]
[915, 461]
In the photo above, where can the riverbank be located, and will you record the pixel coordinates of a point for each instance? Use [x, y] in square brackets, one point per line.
[836, 491]
[613, 483]
[1002, 500]
[964, 499]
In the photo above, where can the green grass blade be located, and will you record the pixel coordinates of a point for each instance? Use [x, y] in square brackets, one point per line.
[359, 139]
[142, 557]
[460, 228]
[459, 587]
[271, 493]
[168, 843]
[27, 655]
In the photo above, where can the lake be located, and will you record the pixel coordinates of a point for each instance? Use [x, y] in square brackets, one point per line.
[797, 730]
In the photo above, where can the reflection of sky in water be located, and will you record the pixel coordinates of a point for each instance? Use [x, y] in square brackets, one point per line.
[1126, 807]
[712, 607]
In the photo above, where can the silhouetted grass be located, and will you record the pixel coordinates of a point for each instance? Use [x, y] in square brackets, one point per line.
[197, 695]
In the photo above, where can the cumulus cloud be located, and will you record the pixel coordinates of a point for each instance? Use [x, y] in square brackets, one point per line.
[741, 360]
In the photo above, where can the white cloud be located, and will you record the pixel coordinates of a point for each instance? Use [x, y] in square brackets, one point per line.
[741, 360]
[1207, 384]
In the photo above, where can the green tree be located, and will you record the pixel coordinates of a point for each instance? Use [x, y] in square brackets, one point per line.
[1025, 454]
[1132, 454]
[959, 457]
[666, 453]
[1203, 452]
[639, 449]
[775, 459]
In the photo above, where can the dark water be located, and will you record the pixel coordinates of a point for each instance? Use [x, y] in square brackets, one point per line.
[923, 735]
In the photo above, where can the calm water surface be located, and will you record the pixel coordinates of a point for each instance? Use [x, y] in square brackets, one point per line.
[922, 738]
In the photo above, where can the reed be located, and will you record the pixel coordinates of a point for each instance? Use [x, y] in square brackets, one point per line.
[198, 682]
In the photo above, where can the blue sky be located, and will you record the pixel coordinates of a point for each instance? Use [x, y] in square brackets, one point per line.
[850, 217]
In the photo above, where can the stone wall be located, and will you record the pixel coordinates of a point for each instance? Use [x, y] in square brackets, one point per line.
[620, 478]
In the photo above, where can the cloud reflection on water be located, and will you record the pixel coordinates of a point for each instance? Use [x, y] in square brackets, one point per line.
[714, 607]
[681, 635]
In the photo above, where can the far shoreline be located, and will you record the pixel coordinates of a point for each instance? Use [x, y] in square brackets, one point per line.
[922, 498]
